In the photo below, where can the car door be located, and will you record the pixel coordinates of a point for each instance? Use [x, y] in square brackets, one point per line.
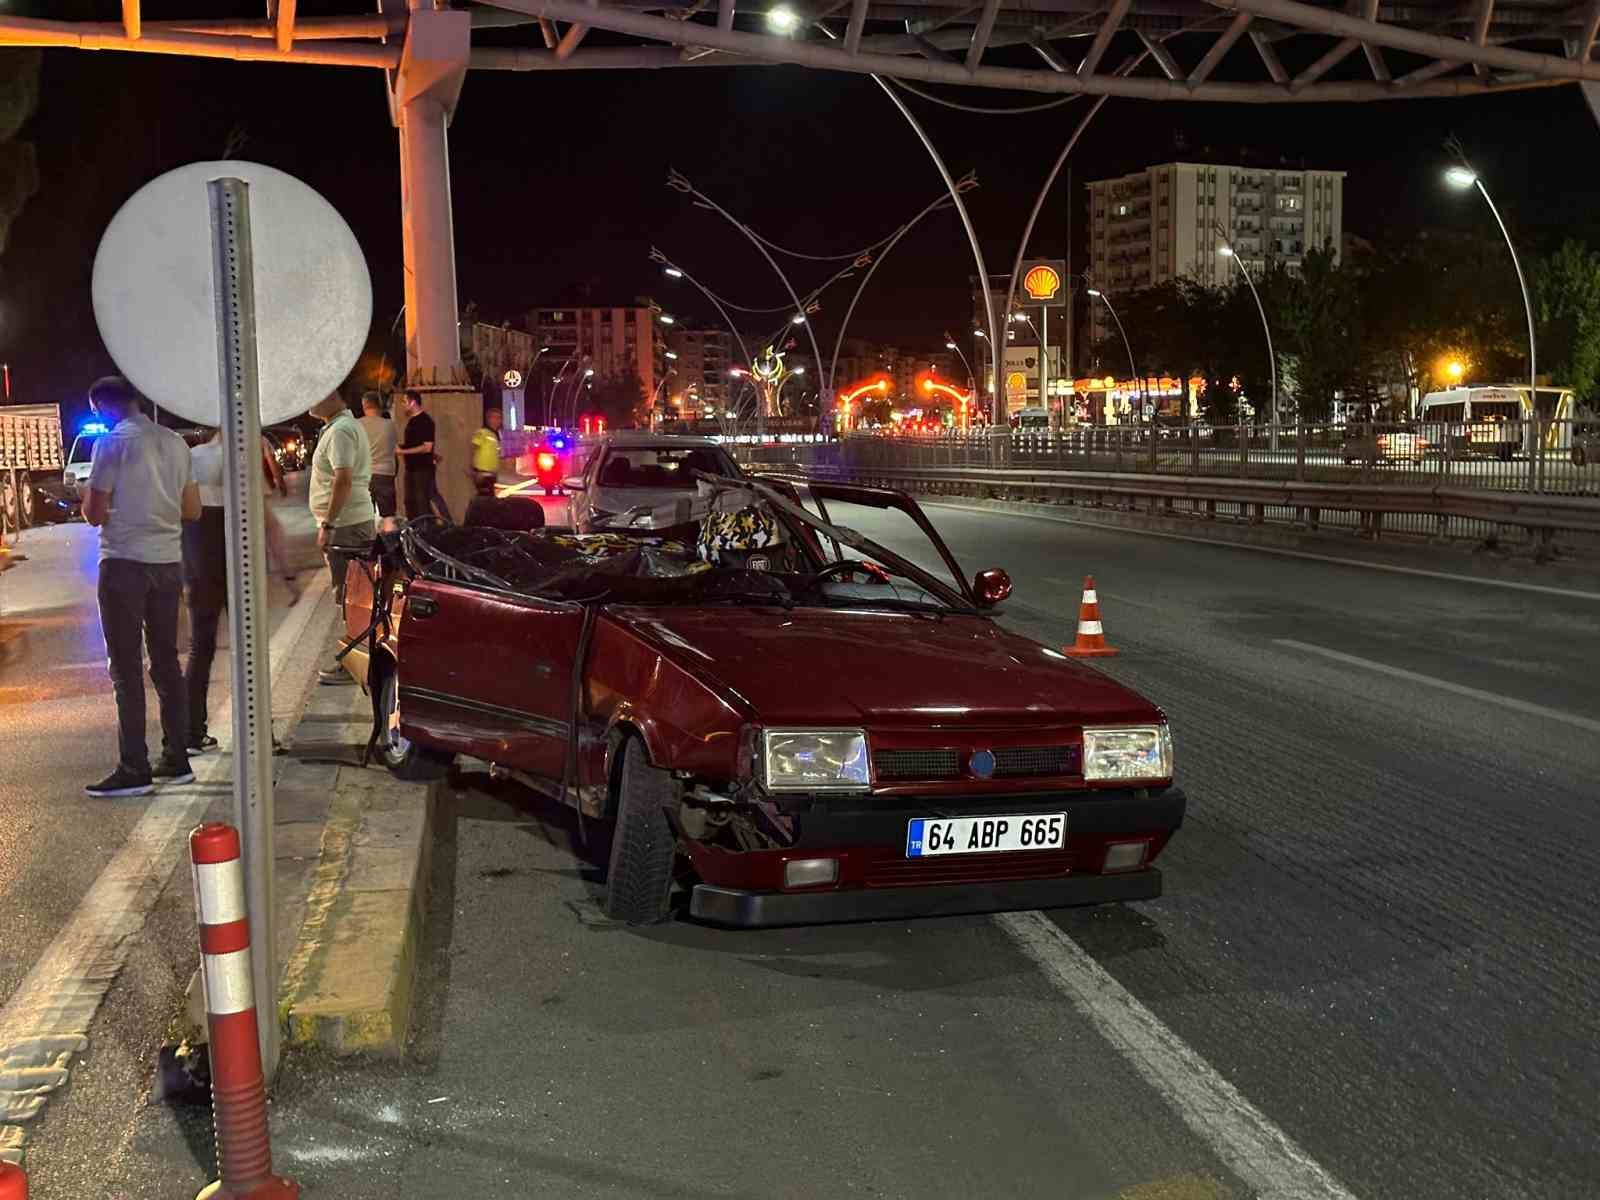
[488, 673]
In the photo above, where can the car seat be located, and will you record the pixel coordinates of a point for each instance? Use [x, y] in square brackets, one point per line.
[518, 514]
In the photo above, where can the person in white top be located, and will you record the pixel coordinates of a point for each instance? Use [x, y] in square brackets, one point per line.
[141, 490]
[341, 500]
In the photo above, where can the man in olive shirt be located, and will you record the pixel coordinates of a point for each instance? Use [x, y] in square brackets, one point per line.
[381, 437]
[341, 500]
[141, 490]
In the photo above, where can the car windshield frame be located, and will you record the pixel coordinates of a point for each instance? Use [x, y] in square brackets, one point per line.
[614, 450]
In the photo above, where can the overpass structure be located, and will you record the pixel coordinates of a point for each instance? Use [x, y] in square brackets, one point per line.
[1246, 51]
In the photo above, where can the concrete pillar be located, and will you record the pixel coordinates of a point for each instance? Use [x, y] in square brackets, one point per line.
[422, 99]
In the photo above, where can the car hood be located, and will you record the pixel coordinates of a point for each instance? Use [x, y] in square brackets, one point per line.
[860, 666]
[615, 500]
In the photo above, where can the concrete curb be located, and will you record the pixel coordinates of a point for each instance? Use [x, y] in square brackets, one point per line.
[349, 985]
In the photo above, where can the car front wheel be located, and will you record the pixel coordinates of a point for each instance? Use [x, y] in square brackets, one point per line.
[404, 758]
[643, 846]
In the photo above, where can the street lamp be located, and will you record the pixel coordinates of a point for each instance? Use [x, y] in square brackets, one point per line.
[798, 319]
[1227, 251]
[666, 318]
[1144, 400]
[1462, 176]
[672, 273]
[783, 19]
[950, 344]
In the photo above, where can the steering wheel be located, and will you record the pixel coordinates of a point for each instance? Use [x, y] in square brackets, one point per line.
[848, 567]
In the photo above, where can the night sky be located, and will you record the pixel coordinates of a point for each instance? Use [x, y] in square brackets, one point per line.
[560, 180]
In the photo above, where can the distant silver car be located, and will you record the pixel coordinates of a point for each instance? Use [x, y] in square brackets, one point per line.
[629, 470]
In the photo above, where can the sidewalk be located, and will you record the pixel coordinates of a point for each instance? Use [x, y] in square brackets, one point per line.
[351, 871]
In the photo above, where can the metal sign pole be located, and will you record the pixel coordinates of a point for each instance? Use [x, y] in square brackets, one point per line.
[233, 275]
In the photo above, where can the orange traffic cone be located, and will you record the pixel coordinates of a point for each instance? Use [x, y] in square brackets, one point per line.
[1091, 642]
[13, 1183]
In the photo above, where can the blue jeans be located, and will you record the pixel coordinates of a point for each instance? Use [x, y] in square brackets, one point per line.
[139, 603]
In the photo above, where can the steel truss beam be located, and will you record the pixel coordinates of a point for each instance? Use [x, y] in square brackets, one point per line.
[946, 43]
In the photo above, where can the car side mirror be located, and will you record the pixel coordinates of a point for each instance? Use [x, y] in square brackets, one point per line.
[991, 586]
[573, 483]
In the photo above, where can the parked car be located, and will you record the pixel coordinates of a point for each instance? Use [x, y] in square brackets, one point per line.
[792, 720]
[628, 470]
[1368, 443]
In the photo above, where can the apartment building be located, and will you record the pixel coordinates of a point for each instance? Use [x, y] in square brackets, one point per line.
[620, 340]
[1162, 223]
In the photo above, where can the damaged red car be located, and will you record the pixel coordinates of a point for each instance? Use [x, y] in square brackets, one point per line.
[785, 721]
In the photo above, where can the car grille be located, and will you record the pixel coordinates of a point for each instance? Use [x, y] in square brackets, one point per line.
[1010, 762]
[895, 871]
[917, 764]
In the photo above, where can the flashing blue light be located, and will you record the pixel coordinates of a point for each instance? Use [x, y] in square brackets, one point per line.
[93, 427]
[558, 443]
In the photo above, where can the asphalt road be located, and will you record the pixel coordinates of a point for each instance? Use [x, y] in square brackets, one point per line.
[1377, 932]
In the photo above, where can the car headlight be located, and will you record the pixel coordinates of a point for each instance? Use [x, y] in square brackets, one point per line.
[813, 760]
[1127, 752]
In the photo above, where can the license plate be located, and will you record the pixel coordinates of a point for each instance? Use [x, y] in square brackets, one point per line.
[927, 836]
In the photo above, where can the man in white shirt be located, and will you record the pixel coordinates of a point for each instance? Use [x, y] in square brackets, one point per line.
[140, 493]
[341, 500]
[382, 438]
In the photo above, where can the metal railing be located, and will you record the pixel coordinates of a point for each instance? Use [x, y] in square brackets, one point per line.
[1547, 457]
[1247, 482]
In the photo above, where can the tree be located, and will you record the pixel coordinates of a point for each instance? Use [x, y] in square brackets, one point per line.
[19, 170]
[1566, 307]
[616, 399]
[1322, 317]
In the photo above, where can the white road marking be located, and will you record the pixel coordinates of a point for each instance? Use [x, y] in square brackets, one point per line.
[46, 1021]
[1263, 1156]
[1444, 685]
[1541, 588]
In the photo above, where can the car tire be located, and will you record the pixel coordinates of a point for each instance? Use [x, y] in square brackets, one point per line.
[10, 508]
[29, 506]
[404, 758]
[644, 848]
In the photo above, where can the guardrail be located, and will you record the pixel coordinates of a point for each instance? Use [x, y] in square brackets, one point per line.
[1436, 511]
[1560, 457]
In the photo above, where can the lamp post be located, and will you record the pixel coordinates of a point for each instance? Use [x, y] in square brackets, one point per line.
[951, 344]
[778, 399]
[1227, 251]
[1462, 176]
[1144, 399]
[983, 375]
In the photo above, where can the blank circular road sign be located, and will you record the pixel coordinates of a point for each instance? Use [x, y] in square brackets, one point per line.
[155, 302]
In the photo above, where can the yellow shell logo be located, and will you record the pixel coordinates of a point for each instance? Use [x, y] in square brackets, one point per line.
[1016, 383]
[1041, 283]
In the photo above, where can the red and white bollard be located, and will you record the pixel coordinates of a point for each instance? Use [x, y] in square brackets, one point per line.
[238, 1089]
[13, 1183]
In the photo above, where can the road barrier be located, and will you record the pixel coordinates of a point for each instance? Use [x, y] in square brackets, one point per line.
[238, 1089]
[1560, 457]
[1435, 511]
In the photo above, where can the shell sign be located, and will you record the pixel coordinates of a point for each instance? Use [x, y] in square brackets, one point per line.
[1042, 283]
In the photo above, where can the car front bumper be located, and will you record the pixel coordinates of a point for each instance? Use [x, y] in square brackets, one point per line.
[731, 906]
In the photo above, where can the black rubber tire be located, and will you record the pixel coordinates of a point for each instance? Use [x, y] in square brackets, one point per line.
[10, 504]
[28, 502]
[644, 848]
[405, 759]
